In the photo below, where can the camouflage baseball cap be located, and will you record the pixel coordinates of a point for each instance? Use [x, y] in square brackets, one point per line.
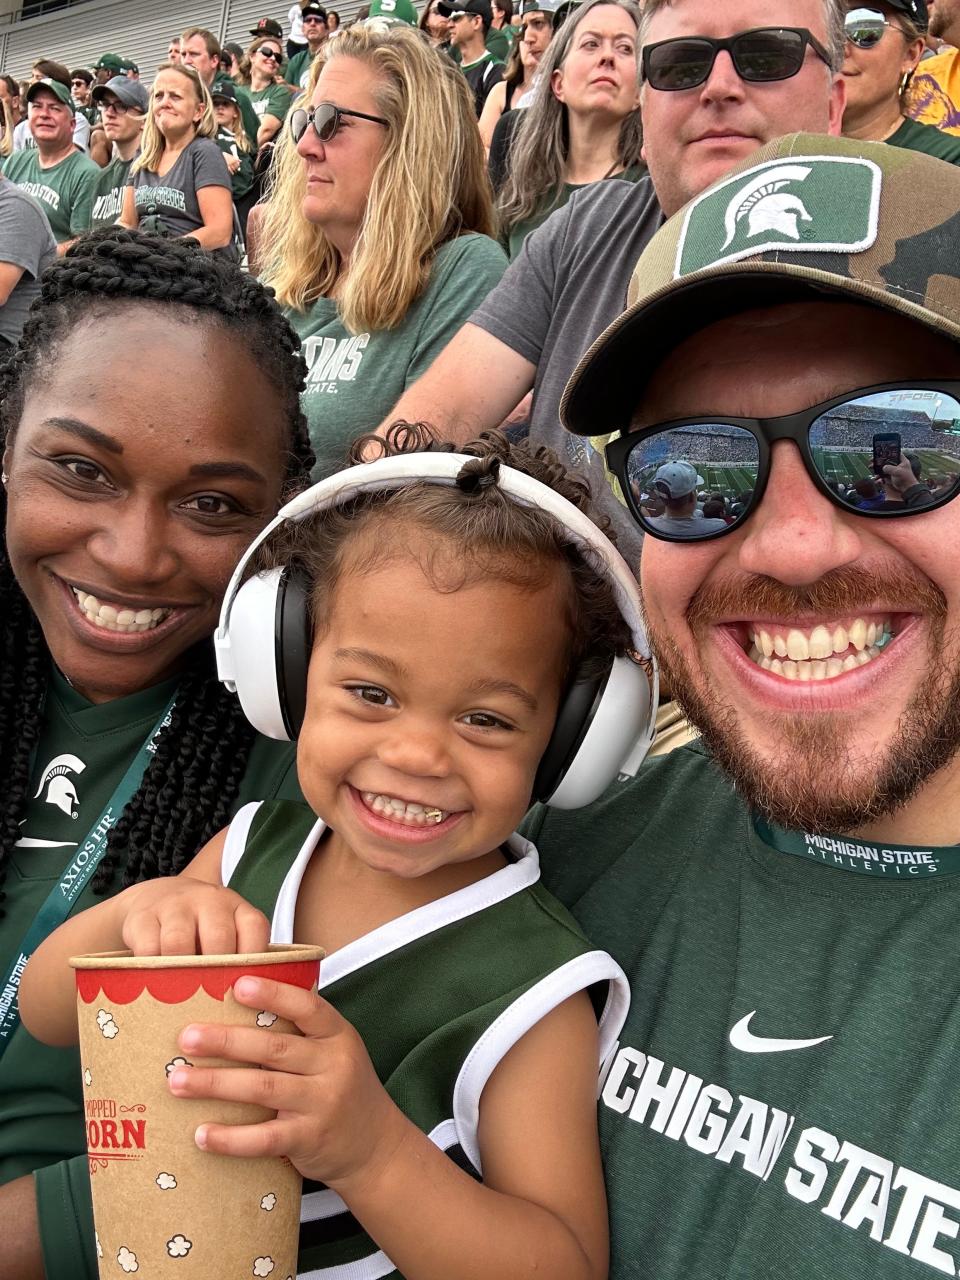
[808, 217]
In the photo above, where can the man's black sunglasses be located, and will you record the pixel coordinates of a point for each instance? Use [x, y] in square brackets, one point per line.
[325, 118]
[850, 445]
[760, 55]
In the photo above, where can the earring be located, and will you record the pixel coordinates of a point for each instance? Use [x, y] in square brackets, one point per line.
[4, 478]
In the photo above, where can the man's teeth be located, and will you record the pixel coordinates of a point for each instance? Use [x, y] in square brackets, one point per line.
[820, 654]
[111, 618]
[405, 811]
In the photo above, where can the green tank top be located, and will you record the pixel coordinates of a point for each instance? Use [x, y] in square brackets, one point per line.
[439, 996]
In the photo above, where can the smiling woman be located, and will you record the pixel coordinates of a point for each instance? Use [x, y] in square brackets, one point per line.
[129, 489]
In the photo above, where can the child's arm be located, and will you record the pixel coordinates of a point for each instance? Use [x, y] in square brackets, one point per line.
[177, 915]
[541, 1211]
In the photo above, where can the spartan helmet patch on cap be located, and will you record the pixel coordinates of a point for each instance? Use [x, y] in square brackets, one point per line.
[819, 203]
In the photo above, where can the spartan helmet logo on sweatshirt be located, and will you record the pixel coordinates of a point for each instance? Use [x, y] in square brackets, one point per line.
[60, 790]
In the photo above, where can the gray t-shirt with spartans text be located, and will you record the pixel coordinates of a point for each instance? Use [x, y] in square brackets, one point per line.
[569, 282]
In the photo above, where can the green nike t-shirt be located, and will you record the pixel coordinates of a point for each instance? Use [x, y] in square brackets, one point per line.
[84, 750]
[783, 1100]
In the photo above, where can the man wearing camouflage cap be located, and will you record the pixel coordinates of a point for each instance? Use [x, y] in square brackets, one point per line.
[782, 1101]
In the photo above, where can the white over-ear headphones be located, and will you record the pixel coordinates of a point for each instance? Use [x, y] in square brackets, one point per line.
[604, 726]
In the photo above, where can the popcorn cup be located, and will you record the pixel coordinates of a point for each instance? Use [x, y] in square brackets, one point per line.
[162, 1207]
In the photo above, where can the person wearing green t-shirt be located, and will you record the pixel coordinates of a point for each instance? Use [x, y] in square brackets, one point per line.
[54, 171]
[314, 19]
[121, 752]
[884, 45]
[373, 309]
[782, 895]
[271, 100]
[122, 105]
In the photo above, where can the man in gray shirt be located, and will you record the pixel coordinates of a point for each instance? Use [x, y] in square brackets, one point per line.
[570, 279]
[27, 248]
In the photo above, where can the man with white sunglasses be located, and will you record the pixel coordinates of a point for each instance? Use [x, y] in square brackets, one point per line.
[783, 1099]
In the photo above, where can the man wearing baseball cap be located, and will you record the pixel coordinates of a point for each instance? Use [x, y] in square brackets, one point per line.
[469, 23]
[122, 105]
[781, 894]
[62, 178]
[313, 17]
[107, 66]
[675, 484]
[934, 96]
[570, 279]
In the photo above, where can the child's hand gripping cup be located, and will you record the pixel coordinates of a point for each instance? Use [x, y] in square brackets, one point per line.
[162, 1207]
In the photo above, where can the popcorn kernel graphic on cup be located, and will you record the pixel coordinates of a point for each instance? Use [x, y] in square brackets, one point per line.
[263, 1266]
[87, 1078]
[108, 1028]
[265, 1018]
[179, 1246]
[128, 1261]
[166, 1181]
[176, 1062]
[98, 1244]
[268, 1202]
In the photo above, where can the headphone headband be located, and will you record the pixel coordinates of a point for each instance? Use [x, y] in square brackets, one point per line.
[437, 468]
[605, 722]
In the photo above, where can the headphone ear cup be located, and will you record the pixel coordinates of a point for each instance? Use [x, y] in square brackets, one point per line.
[270, 641]
[293, 643]
[602, 725]
[573, 719]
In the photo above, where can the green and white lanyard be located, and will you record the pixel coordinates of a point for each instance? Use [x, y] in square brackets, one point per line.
[75, 877]
[904, 862]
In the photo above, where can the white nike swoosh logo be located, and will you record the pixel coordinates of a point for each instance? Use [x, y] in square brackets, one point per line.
[743, 1039]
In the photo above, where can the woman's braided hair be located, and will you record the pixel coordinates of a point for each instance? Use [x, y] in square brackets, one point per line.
[194, 775]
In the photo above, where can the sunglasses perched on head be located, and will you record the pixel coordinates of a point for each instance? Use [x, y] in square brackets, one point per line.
[325, 118]
[880, 452]
[760, 55]
[865, 27]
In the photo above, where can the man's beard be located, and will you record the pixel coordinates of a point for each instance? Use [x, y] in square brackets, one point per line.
[814, 783]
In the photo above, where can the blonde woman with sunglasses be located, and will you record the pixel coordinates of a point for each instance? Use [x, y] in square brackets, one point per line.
[271, 100]
[377, 235]
[884, 44]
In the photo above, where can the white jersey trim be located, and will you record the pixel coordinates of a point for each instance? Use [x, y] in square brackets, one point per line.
[235, 843]
[407, 928]
[516, 1020]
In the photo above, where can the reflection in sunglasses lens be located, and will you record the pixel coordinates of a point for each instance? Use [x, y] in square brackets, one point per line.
[693, 481]
[854, 446]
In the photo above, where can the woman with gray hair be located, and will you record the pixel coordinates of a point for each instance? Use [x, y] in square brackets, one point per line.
[584, 122]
